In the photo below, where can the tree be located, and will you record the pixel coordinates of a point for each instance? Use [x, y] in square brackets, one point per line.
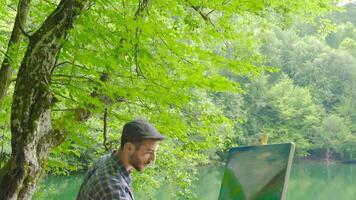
[286, 112]
[32, 135]
[327, 71]
[332, 134]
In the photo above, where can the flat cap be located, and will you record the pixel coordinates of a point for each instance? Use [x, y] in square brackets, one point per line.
[139, 129]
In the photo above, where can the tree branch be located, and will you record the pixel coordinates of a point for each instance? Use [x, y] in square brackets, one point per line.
[65, 110]
[6, 68]
[71, 63]
[210, 12]
[23, 31]
[78, 77]
[64, 97]
[142, 5]
[2, 145]
[5, 54]
[171, 50]
[105, 130]
[203, 15]
[206, 17]
[144, 104]
[118, 117]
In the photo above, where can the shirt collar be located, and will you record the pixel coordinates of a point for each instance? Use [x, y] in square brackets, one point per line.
[118, 165]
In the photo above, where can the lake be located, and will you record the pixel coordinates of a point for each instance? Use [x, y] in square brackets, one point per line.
[308, 180]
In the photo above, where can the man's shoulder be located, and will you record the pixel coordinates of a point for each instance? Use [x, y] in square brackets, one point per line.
[103, 174]
[107, 166]
[102, 161]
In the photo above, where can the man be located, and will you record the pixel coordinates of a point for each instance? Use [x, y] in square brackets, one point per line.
[110, 178]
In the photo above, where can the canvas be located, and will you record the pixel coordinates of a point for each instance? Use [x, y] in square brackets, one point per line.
[257, 172]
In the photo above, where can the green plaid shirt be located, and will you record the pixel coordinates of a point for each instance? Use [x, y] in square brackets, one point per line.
[107, 179]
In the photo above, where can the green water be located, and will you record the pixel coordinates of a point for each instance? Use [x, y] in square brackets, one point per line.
[314, 181]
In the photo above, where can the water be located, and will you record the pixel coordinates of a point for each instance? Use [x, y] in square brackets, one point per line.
[59, 187]
[308, 180]
[321, 182]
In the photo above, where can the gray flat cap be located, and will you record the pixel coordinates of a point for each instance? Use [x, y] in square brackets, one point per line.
[139, 129]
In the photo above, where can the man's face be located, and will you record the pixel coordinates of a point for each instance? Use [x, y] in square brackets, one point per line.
[144, 154]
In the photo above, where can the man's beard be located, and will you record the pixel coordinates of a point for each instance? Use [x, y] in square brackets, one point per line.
[137, 164]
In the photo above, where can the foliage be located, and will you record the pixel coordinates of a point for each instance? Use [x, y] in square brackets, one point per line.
[286, 112]
[332, 133]
[328, 72]
[182, 65]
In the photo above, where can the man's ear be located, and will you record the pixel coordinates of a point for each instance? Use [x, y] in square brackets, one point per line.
[130, 147]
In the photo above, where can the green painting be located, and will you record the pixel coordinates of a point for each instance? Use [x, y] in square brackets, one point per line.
[257, 172]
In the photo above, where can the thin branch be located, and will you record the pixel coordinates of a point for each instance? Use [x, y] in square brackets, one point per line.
[71, 63]
[210, 12]
[225, 2]
[5, 54]
[208, 19]
[105, 129]
[54, 83]
[171, 50]
[77, 77]
[12, 8]
[65, 110]
[55, 62]
[142, 5]
[154, 83]
[62, 63]
[118, 117]
[204, 16]
[73, 85]
[94, 31]
[2, 146]
[144, 104]
[70, 85]
[22, 30]
[64, 97]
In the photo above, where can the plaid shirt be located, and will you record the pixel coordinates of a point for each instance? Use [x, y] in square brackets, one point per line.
[107, 179]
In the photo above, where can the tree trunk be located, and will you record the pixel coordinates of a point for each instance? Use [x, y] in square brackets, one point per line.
[351, 157]
[327, 156]
[12, 48]
[31, 132]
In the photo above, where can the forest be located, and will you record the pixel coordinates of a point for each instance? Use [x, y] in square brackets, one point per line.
[210, 75]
